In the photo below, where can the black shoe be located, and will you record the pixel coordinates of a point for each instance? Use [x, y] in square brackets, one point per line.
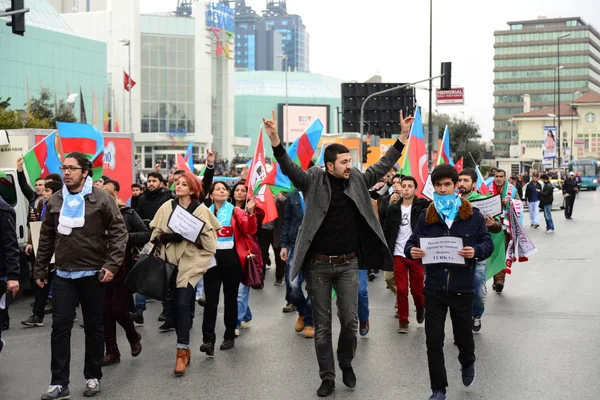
[33, 321]
[476, 325]
[327, 387]
[227, 344]
[420, 315]
[166, 327]
[498, 286]
[161, 317]
[5, 326]
[372, 276]
[468, 375]
[201, 301]
[137, 317]
[289, 308]
[348, 377]
[208, 348]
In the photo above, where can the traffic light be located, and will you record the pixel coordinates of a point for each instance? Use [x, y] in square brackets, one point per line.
[447, 76]
[17, 20]
[365, 152]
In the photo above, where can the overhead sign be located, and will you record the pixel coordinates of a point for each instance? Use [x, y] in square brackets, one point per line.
[455, 96]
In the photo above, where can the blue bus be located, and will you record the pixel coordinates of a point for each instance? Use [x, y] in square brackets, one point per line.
[588, 171]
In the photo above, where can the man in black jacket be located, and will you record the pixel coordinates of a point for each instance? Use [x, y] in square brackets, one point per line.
[402, 217]
[449, 285]
[533, 191]
[293, 216]
[546, 200]
[570, 188]
[9, 258]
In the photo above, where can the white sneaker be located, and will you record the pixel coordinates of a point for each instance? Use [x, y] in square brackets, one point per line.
[550, 231]
[237, 332]
[92, 387]
[245, 325]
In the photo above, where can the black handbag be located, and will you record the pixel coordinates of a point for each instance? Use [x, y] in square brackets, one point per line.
[151, 276]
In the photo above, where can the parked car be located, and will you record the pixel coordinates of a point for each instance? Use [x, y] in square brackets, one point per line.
[558, 203]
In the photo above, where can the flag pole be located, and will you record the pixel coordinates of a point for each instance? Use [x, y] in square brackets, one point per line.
[470, 155]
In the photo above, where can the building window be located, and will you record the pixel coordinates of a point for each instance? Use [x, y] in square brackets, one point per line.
[539, 26]
[516, 27]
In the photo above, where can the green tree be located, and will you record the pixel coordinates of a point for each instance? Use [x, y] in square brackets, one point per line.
[4, 103]
[9, 119]
[64, 113]
[40, 108]
[464, 138]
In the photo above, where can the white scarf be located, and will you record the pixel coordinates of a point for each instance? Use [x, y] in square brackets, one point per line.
[72, 212]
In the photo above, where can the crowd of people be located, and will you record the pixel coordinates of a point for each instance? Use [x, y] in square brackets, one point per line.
[333, 233]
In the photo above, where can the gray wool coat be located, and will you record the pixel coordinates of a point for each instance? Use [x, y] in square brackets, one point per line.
[373, 252]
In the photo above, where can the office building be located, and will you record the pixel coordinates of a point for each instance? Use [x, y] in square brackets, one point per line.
[526, 61]
[261, 41]
[183, 68]
[51, 55]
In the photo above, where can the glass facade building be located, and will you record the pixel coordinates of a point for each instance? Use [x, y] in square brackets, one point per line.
[526, 62]
[50, 55]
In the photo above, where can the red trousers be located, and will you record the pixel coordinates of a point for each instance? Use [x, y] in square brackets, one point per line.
[405, 270]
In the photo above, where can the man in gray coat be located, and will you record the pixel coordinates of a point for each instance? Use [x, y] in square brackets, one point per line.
[340, 232]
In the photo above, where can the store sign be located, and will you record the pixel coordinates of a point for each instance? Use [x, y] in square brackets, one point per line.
[453, 96]
[579, 142]
[220, 16]
[176, 132]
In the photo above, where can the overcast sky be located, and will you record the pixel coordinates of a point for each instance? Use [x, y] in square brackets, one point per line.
[355, 40]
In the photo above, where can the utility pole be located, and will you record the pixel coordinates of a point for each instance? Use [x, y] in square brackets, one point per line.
[430, 118]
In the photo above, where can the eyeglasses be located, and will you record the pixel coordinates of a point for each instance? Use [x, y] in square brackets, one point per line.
[69, 168]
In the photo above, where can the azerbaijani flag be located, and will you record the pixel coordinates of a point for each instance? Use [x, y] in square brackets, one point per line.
[42, 159]
[182, 163]
[415, 161]
[189, 157]
[481, 186]
[301, 152]
[444, 150]
[321, 161]
[85, 139]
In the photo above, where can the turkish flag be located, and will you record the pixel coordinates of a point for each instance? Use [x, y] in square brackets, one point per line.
[459, 165]
[128, 83]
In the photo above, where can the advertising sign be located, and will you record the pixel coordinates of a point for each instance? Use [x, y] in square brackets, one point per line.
[299, 118]
[579, 142]
[549, 143]
[454, 96]
[566, 156]
[220, 16]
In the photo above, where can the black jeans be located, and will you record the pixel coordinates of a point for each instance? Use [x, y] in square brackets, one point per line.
[3, 314]
[265, 240]
[436, 308]
[41, 295]
[67, 294]
[569, 203]
[227, 272]
[320, 279]
[181, 304]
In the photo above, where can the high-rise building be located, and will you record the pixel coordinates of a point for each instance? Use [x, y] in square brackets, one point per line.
[261, 41]
[527, 60]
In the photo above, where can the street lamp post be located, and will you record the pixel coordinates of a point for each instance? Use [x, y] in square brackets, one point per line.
[127, 43]
[558, 142]
[512, 124]
[572, 118]
[284, 57]
[430, 119]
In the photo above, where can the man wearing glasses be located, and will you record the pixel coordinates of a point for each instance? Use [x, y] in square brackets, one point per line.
[85, 231]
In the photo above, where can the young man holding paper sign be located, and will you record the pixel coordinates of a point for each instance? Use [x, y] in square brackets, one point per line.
[449, 285]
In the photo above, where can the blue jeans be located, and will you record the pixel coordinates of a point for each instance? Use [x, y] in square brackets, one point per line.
[480, 289]
[140, 302]
[200, 289]
[548, 216]
[297, 297]
[363, 295]
[244, 313]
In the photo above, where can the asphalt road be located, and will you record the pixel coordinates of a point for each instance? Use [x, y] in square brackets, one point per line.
[540, 340]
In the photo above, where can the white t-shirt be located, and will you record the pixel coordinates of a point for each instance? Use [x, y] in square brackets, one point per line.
[404, 232]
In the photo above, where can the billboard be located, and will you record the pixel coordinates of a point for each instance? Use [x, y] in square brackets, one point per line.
[549, 143]
[455, 96]
[299, 117]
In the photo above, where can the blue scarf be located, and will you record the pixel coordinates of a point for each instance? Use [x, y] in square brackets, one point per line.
[72, 213]
[447, 207]
[224, 216]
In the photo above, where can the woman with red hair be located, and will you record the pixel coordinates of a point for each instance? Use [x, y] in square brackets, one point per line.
[192, 258]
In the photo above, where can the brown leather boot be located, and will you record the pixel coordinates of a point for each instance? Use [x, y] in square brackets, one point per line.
[182, 361]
